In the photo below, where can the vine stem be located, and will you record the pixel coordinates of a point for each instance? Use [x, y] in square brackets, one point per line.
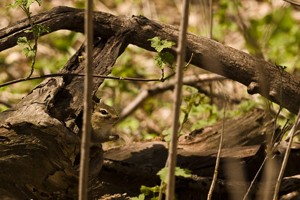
[216, 171]
[181, 51]
[35, 38]
[88, 85]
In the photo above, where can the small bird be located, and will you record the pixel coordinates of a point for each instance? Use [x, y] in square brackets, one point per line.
[103, 118]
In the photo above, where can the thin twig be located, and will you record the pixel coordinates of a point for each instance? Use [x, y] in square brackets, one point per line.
[88, 85]
[292, 133]
[215, 176]
[255, 178]
[273, 140]
[5, 103]
[75, 74]
[33, 59]
[181, 50]
[280, 107]
[210, 19]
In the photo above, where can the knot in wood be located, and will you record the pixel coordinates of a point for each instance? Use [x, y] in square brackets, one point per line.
[144, 21]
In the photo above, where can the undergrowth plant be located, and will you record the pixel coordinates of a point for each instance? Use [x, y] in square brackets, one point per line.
[163, 58]
[153, 192]
[30, 48]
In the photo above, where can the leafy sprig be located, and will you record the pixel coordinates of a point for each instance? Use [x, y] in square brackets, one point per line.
[163, 58]
[30, 48]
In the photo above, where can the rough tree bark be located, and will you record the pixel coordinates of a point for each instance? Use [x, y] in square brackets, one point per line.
[40, 136]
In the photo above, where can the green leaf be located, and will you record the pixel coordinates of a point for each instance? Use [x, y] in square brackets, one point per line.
[29, 52]
[148, 190]
[29, 2]
[16, 4]
[24, 3]
[40, 29]
[163, 59]
[158, 44]
[158, 61]
[140, 197]
[167, 57]
[183, 172]
[22, 41]
[163, 173]
[167, 135]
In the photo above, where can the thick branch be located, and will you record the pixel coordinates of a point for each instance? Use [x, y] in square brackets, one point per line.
[278, 86]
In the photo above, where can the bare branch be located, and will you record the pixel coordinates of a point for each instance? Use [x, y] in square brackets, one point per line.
[75, 74]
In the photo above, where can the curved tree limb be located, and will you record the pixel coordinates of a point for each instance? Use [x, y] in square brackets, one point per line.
[278, 86]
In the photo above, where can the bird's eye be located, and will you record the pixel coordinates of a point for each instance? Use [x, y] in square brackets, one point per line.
[103, 112]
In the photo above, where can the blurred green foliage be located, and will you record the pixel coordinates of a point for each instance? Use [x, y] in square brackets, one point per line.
[276, 34]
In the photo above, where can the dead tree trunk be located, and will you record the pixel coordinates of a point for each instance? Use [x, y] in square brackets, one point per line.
[39, 137]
